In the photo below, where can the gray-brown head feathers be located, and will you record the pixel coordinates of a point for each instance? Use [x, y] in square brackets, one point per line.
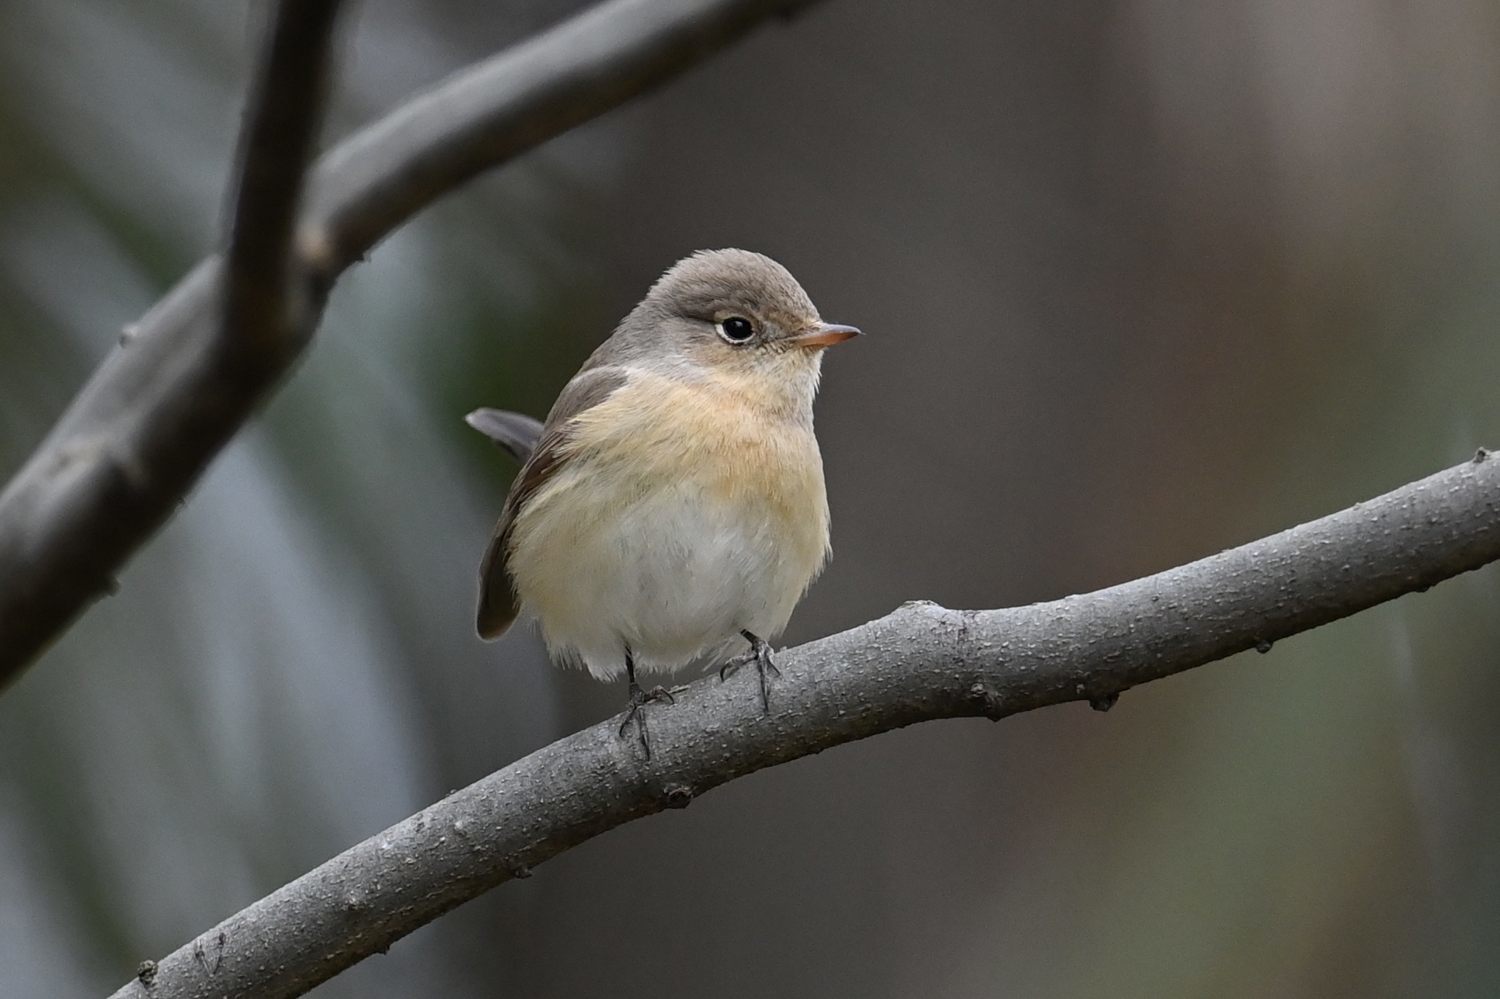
[682, 309]
[712, 280]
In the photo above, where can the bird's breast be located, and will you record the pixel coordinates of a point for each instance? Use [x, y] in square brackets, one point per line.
[685, 512]
[738, 447]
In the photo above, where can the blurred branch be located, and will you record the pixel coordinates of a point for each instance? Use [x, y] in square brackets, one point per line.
[510, 103]
[175, 391]
[259, 311]
[146, 424]
[920, 662]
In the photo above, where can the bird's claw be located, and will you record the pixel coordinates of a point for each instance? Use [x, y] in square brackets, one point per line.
[639, 699]
[760, 655]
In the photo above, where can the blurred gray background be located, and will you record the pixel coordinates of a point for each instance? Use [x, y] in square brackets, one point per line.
[1141, 281]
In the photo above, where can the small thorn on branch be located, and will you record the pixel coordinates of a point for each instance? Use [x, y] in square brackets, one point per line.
[988, 700]
[1099, 702]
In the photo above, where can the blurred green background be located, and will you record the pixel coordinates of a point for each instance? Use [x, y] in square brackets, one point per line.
[1142, 281]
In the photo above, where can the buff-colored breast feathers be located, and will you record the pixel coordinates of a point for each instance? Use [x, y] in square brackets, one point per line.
[741, 447]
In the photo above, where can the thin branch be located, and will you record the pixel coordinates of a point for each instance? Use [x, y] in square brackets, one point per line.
[135, 440]
[281, 126]
[513, 102]
[920, 662]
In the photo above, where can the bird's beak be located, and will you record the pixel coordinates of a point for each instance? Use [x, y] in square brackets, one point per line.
[825, 335]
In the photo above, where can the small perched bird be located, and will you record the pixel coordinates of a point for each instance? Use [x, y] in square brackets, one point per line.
[672, 504]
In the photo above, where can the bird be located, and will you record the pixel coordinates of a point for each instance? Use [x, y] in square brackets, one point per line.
[672, 505]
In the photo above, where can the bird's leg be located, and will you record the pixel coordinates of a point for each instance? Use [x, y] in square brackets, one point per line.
[760, 655]
[638, 699]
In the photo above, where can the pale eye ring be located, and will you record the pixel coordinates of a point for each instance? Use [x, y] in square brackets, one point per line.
[735, 329]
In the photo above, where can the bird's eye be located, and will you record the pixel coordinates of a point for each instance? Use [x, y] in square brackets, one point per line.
[736, 329]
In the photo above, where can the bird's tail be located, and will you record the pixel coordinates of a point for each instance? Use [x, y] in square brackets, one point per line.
[516, 433]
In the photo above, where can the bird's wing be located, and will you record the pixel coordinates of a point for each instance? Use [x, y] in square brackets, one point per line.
[498, 603]
[516, 433]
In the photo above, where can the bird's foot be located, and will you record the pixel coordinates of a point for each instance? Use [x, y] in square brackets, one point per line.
[634, 713]
[760, 655]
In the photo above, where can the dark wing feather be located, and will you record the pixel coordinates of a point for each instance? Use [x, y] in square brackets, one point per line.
[516, 433]
[498, 604]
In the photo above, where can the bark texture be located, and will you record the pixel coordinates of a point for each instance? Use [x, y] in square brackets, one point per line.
[919, 663]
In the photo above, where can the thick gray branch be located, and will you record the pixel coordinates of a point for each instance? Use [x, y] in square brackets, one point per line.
[918, 663]
[162, 405]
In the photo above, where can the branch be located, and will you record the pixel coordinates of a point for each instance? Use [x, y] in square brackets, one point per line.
[135, 440]
[146, 424]
[918, 663]
[513, 102]
[259, 310]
